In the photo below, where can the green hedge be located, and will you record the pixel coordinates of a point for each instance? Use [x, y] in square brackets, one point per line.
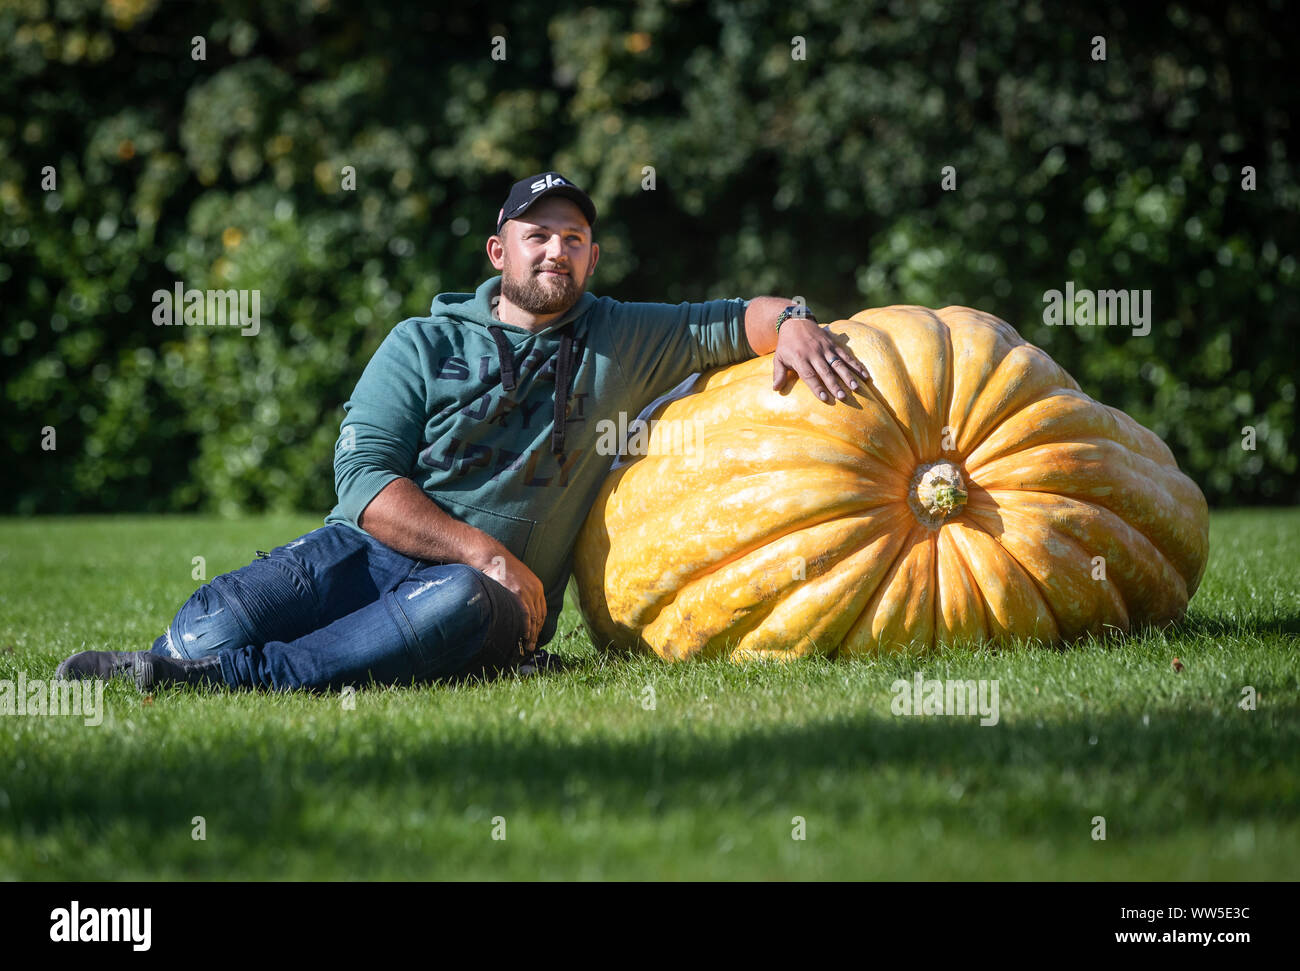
[820, 177]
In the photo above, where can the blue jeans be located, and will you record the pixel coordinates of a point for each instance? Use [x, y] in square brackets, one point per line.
[337, 607]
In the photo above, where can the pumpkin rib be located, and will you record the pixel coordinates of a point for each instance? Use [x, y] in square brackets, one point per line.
[663, 600]
[885, 578]
[1163, 454]
[790, 414]
[1047, 601]
[655, 585]
[734, 633]
[950, 551]
[823, 434]
[918, 333]
[1023, 359]
[1156, 484]
[851, 579]
[896, 363]
[1079, 416]
[971, 523]
[1030, 504]
[712, 647]
[950, 378]
[860, 533]
[918, 545]
[1130, 524]
[934, 584]
[994, 426]
[866, 476]
[1020, 524]
[724, 376]
[933, 326]
[771, 452]
[979, 340]
[898, 424]
[980, 603]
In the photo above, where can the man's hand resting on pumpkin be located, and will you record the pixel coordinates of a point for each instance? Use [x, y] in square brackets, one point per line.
[804, 349]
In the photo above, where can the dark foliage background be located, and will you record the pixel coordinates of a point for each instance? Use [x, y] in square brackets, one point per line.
[818, 177]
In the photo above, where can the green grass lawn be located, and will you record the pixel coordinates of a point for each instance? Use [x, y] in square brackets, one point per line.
[592, 784]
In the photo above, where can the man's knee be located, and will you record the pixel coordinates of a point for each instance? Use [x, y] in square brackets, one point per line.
[461, 619]
[204, 625]
[503, 645]
[269, 599]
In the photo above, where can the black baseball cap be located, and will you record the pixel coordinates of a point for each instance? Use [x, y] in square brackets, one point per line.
[527, 191]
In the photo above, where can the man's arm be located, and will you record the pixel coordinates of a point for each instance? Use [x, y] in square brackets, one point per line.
[373, 462]
[803, 348]
[405, 519]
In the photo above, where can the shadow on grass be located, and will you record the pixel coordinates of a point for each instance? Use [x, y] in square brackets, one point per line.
[1025, 778]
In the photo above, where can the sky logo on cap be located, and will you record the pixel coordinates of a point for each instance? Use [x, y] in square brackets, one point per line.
[528, 190]
[547, 182]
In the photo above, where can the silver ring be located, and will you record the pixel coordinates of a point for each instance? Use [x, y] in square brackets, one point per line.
[835, 360]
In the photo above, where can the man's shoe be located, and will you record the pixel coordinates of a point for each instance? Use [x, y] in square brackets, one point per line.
[97, 664]
[540, 661]
[153, 671]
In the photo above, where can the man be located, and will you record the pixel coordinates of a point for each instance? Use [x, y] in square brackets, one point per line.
[465, 465]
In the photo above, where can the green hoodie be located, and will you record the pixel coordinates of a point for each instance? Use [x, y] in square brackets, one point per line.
[432, 405]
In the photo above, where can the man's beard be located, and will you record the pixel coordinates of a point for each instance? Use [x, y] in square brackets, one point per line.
[536, 295]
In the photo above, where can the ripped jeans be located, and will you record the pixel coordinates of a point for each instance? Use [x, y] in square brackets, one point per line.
[337, 607]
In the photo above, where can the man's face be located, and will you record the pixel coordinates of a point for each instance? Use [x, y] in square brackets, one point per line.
[546, 257]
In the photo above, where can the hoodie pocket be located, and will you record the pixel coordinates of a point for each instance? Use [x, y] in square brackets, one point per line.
[513, 532]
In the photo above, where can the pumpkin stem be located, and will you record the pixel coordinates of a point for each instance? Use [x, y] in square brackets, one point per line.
[938, 493]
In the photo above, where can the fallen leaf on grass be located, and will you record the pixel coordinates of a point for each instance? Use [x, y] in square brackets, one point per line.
[1178, 665]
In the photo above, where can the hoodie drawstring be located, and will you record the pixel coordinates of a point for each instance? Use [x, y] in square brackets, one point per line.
[564, 368]
[563, 374]
[506, 355]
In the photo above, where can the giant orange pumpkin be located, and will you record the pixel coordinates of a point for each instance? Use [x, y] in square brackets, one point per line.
[970, 493]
